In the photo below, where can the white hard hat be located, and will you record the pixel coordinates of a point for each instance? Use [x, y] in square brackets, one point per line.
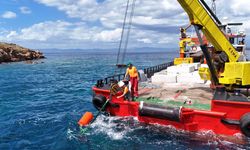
[121, 83]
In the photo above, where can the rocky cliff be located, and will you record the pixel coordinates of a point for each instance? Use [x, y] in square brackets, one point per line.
[12, 53]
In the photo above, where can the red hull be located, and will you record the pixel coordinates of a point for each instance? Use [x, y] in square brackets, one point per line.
[190, 119]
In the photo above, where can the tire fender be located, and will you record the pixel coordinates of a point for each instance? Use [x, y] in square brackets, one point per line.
[245, 124]
[98, 101]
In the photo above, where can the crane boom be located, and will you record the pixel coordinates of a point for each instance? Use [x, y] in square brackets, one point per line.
[200, 15]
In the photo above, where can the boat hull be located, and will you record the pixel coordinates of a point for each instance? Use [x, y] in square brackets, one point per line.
[224, 118]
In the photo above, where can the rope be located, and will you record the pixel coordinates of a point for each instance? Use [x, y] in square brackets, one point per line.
[84, 130]
[129, 29]
[123, 28]
[126, 36]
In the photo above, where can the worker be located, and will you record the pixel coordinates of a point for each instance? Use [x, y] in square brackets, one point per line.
[183, 33]
[124, 86]
[133, 79]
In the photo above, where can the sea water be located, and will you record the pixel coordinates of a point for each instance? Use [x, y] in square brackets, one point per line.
[40, 105]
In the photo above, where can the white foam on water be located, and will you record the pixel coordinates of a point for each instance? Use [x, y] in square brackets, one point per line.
[207, 137]
[218, 140]
[114, 127]
[71, 135]
[119, 128]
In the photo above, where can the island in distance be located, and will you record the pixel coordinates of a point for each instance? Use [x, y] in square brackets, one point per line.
[10, 52]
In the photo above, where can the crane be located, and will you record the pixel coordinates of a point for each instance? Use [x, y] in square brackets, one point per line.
[203, 19]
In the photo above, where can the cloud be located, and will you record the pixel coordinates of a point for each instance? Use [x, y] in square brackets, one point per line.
[150, 17]
[61, 34]
[155, 23]
[111, 13]
[25, 10]
[43, 31]
[144, 40]
[108, 36]
[11, 34]
[84, 9]
[9, 15]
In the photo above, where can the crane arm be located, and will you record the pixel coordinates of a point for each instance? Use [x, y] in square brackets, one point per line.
[200, 15]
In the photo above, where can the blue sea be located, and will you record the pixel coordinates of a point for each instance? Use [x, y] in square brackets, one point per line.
[40, 105]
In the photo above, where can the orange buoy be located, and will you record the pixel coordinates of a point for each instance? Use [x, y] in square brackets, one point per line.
[86, 119]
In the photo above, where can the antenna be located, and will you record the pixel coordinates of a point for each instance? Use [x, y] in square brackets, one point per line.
[213, 7]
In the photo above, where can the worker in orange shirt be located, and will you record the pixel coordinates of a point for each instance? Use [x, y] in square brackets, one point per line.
[124, 86]
[133, 79]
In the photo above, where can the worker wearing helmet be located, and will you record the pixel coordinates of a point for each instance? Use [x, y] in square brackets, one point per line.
[133, 79]
[124, 86]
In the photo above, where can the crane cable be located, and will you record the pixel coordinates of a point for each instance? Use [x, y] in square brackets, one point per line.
[129, 29]
[121, 61]
[122, 34]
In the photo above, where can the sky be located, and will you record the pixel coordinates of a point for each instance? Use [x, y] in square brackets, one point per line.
[91, 24]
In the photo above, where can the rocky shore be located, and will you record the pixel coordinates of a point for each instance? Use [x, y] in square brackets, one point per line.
[10, 52]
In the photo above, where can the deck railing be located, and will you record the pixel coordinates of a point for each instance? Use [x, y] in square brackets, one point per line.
[107, 80]
[149, 72]
[152, 70]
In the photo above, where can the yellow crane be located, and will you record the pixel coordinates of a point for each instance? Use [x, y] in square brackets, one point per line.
[234, 72]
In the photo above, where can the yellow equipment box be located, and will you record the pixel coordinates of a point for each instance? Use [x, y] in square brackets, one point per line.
[236, 73]
[204, 73]
[187, 60]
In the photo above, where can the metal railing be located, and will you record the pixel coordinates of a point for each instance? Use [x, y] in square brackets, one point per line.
[148, 71]
[152, 70]
[107, 80]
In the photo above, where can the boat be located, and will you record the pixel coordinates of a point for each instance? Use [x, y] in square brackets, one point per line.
[189, 43]
[229, 112]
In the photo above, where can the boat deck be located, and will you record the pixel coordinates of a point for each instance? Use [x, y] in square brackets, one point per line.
[196, 96]
[190, 96]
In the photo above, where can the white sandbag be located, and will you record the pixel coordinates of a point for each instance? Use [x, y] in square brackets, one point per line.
[186, 68]
[196, 65]
[142, 76]
[196, 75]
[173, 70]
[159, 78]
[189, 78]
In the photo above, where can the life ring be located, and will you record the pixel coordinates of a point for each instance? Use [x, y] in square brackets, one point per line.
[98, 101]
[245, 124]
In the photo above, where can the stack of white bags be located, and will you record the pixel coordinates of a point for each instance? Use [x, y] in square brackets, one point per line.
[183, 73]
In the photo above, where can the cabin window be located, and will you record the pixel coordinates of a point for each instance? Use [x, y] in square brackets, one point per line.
[239, 49]
[231, 40]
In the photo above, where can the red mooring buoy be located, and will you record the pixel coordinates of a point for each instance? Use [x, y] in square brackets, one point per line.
[86, 119]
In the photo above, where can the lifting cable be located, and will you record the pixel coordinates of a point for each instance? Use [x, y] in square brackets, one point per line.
[121, 55]
[128, 31]
[122, 34]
